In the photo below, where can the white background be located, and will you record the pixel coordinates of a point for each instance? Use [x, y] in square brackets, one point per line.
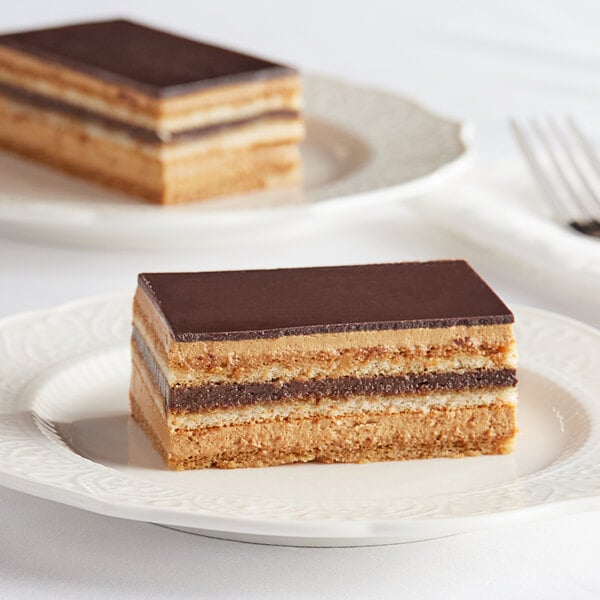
[483, 61]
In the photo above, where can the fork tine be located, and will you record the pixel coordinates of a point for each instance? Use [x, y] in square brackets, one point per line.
[588, 150]
[585, 143]
[584, 180]
[538, 171]
[560, 171]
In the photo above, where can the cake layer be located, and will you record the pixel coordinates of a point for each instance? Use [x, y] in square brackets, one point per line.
[191, 398]
[351, 438]
[261, 168]
[287, 362]
[45, 104]
[203, 85]
[185, 112]
[193, 171]
[266, 130]
[303, 357]
[310, 407]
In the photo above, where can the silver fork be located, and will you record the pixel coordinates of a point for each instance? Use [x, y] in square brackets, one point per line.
[566, 167]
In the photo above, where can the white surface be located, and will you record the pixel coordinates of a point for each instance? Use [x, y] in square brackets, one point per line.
[482, 62]
[66, 435]
[362, 146]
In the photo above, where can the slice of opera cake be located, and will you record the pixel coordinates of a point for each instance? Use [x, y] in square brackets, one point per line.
[153, 114]
[329, 364]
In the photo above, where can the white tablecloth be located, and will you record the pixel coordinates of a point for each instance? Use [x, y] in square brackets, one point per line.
[482, 61]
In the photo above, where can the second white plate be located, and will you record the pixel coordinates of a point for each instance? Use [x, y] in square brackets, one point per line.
[65, 435]
[363, 146]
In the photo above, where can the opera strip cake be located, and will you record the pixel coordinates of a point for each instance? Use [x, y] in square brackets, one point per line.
[332, 364]
[153, 114]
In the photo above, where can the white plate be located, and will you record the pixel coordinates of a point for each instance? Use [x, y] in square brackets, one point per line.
[362, 146]
[65, 435]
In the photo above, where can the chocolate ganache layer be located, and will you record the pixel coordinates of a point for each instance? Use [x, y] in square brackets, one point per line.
[234, 395]
[154, 62]
[190, 398]
[240, 305]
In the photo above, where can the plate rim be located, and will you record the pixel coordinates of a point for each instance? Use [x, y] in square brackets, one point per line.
[319, 528]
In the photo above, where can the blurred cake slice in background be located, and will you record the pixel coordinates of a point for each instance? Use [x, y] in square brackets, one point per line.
[156, 115]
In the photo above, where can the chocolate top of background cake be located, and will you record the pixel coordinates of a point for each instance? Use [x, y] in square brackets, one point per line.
[156, 62]
[235, 305]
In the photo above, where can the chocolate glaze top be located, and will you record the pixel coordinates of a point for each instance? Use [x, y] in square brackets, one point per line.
[155, 62]
[237, 305]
